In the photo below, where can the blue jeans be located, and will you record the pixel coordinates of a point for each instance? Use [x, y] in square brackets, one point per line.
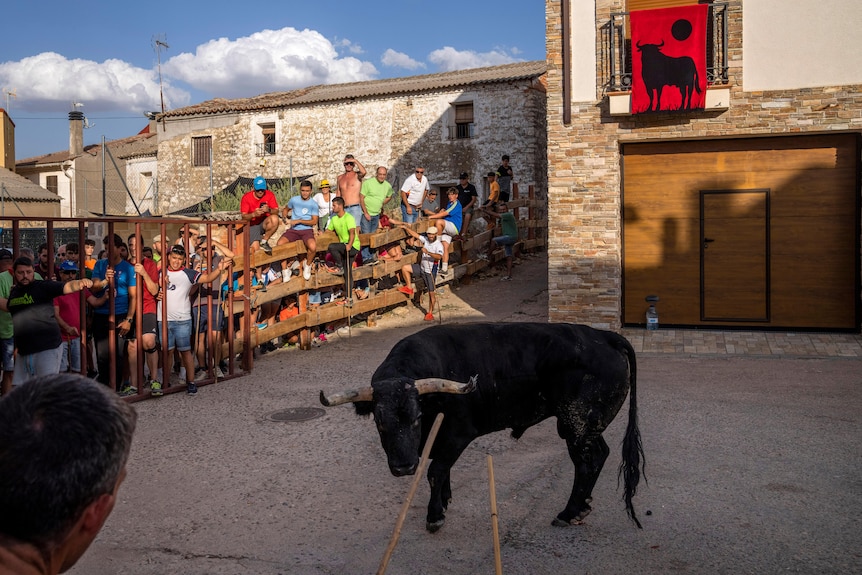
[507, 242]
[368, 227]
[409, 218]
[70, 358]
[41, 363]
[179, 335]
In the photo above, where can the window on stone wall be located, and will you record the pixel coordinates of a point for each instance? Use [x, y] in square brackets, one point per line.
[51, 184]
[267, 145]
[462, 126]
[201, 151]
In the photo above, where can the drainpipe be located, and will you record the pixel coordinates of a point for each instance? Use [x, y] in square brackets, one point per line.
[566, 29]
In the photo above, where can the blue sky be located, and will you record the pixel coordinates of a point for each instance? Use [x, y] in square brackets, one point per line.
[101, 54]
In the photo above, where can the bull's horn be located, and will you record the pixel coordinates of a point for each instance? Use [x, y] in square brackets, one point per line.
[364, 394]
[638, 44]
[439, 385]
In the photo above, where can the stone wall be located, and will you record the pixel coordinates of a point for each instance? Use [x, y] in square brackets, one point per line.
[584, 173]
[398, 132]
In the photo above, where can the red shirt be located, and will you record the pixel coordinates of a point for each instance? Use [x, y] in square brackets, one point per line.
[152, 269]
[250, 203]
[69, 307]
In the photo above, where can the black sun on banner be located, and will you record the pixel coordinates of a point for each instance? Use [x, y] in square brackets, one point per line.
[669, 58]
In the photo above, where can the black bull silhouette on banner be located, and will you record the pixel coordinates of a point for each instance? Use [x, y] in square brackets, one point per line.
[659, 70]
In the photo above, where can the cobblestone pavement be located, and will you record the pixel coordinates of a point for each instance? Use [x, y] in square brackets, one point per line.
[745, 343]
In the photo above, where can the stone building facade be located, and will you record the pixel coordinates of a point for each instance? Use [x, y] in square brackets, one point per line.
[767, 97]
[449, 123]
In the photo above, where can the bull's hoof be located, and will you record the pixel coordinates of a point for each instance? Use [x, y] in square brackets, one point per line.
[434, 526]
[578, 519]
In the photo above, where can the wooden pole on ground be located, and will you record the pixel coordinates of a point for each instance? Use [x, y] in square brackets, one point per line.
[416, 479]
[498, 563]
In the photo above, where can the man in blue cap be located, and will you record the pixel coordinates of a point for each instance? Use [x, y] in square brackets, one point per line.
[260, 208]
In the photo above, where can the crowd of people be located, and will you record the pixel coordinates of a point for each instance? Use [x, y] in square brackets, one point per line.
[42, 310]
[42, 307]
[358, 205]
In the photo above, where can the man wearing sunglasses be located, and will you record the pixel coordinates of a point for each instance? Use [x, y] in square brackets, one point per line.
[413, 195]
[349, 186]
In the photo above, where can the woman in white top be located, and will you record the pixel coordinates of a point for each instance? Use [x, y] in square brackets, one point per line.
[323, 198]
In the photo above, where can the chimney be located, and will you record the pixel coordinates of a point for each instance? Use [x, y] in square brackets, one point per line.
[76, 133]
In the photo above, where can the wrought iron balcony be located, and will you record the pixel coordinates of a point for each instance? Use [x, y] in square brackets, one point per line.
[616, 51]
[266, 149]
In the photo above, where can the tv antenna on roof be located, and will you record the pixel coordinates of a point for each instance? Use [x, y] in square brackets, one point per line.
[9, 93]
[159, 43]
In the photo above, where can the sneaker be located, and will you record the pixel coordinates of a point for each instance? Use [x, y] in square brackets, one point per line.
[322, 337]
[264, 245]
[429, 316]
[506, 278]
[200, 375]
[286, 275]
[156, 388]
[191, 388]
[406, 290]
[223, 366]
[306, 271]
[218, 372]
[128, 390]
[261, 326]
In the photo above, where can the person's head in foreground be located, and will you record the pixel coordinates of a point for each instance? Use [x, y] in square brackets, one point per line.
[64, 442]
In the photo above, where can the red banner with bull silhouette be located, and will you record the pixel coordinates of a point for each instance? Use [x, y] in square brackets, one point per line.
[669, 59]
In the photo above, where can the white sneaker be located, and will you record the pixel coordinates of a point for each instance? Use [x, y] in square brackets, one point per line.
[306, 271]
[285, 274]
[218, 372]
[182, 375]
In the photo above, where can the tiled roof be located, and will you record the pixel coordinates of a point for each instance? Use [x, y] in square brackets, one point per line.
[19, 188]
[139, 144]
[368, 89]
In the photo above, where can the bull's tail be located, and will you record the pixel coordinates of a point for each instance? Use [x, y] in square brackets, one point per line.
[697, 81]
[634, 462]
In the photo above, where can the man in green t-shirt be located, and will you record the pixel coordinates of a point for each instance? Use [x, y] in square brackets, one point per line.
[345, 249]
[509, 234]
[375, 193]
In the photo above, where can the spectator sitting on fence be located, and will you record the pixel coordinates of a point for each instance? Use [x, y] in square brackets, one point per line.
[508, 237]
[448, 222]
[302, 211]
[65, 442]
[493, 191]
[432, 252]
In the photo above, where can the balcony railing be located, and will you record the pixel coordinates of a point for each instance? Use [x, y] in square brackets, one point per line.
[462, 131]
[617, 50]
[266, 149]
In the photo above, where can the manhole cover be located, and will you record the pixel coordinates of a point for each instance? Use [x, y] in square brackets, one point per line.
[295, 414]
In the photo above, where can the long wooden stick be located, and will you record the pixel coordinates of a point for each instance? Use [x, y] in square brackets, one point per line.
[498, 563]
[406, 507]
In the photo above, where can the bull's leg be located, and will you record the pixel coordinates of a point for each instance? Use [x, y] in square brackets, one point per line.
[441, 494]
[589, 455]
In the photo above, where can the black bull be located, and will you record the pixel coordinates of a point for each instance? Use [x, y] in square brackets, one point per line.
[659, 70]
[522, 374]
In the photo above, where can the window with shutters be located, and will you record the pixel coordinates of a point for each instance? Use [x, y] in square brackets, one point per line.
[51, 184]
[202, 151]
[462, 126]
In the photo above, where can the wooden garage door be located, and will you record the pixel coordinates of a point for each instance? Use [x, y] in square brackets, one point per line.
[786, 210]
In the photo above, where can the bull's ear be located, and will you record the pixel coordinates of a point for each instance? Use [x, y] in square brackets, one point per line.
[352, 395]
[439, 385]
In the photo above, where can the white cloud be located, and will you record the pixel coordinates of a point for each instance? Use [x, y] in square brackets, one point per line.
[49, 81]
[400, 60]
[266, 61]
[449, 59]
[346, 44]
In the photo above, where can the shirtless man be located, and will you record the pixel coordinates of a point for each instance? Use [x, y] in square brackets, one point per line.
[349, 186]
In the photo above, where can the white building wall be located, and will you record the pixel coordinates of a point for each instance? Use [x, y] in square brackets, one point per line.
[789, 44]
